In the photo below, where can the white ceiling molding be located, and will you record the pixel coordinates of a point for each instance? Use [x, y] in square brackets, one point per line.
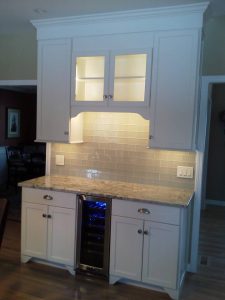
[160, 18]
[15, 16]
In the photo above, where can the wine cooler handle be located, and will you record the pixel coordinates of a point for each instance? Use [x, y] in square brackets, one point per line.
[82, 198]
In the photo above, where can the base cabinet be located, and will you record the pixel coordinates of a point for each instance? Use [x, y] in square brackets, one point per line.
[48, 229]
[160, 254]
[145, 249]
[126, 247]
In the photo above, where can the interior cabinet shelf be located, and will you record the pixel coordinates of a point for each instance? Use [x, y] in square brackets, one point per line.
[117, 77]
[90, 78]
[130, 77]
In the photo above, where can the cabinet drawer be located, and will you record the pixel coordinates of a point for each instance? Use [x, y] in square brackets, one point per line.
[49, 197]
[146, 211]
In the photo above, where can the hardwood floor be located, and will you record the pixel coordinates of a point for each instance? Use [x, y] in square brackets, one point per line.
[34, 281]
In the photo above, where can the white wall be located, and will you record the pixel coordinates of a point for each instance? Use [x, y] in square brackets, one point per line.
[214, 47]
[18, 55]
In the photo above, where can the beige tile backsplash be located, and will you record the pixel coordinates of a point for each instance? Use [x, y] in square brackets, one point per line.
[115, 148]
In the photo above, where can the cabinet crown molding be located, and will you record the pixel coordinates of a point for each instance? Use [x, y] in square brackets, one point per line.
[151, 19]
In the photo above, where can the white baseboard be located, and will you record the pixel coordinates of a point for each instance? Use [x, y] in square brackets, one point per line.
[215, 202]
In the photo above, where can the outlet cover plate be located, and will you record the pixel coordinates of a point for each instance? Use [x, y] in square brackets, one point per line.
[185, 172]
[59, 160]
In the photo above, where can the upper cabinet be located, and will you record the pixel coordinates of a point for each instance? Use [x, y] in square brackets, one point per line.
[112, 73]
[175, 89]
[54, 122]
[144, 61]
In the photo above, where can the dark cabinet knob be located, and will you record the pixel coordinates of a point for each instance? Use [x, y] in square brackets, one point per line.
[47, 197]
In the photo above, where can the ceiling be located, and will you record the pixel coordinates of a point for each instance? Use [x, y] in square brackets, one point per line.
[16, 14]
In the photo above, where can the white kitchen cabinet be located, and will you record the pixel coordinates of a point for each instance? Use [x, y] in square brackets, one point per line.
[98, 63]
[146, 247]
[173, 108]
[126, 247]
[48, 227]
[54, 122]
[113, 77]
[160, 254]
[112, 73]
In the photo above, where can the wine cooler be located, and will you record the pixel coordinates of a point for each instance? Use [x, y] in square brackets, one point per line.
[93, 234]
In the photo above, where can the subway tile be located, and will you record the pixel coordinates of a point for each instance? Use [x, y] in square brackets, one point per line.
[115, 148]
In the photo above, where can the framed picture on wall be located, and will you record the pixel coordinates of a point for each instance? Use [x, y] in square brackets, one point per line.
[13, 123]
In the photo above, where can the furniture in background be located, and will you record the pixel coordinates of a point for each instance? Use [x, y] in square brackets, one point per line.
[25, 162]
[3, 168]
[17, 169]
[3, 216]
[34, 157]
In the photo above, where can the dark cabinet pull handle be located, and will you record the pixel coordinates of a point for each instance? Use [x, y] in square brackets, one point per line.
[47, 197]
[139, 231]
[44, 215]
[146, 232]
[144, 211]
[49, 216]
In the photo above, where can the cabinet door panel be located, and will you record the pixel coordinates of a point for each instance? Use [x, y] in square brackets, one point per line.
[160, 254]
[54, 76]
[90, 76]
[34, 230]
[130, 72]
[61, 235]
[173, 105]
[126, 247]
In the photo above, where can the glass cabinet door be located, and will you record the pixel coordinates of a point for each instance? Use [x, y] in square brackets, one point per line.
[129, 82]
[112, 77]
[90, 78]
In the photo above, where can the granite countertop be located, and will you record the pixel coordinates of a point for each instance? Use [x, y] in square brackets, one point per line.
[114, 189]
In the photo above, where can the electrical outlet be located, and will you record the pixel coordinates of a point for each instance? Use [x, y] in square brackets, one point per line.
[59, 160]
[185, 172]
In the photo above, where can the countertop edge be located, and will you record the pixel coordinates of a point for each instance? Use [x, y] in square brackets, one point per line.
[28, 184]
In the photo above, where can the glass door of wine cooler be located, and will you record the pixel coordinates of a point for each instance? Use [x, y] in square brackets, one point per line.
[93, 234]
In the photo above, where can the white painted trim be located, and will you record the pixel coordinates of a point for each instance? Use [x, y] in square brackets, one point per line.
[121, 15]
[215, 202]
[200, 164]
[18, 82]
[176, 17]
[48, 159]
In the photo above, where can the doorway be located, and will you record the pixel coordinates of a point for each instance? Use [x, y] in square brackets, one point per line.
[21, 157]
[215, 148]
[201, 165]
[201, 160]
